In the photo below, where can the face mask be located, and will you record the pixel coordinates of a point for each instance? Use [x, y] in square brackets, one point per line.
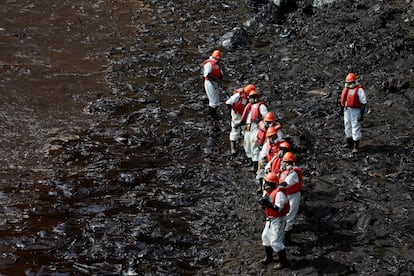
[269, 186]
[350, 84]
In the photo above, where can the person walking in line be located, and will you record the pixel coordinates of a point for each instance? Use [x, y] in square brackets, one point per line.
[353, 102]
[276, 206]
[238, 102]
[268, 120]
[213, 74]
[291, 178]
[252, 114]
[274, 165]
[270, 148]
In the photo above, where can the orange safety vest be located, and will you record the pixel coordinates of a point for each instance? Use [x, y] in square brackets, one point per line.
[275, 166]
[216, 72]
[261, 134]
[241, 104]
[296, 187]
[271, 213]
[254, 109]
[272, 149]
[350, 98]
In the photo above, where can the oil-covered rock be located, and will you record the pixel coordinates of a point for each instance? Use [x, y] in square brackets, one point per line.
[141, 182]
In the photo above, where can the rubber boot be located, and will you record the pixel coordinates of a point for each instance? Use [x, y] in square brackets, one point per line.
[212, 112]
[288, 238]
[254, 167]
[356, 147]
[283, 262]
[269, 256]
[233, 148]
[348, 143]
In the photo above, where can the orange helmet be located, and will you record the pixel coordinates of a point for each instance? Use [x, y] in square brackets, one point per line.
[285, 145]
[253, 93]
[271, 131]
[271, 177]
[249, 88]
[351, 77]
[216, 54]
[269, 117]
[289, 157]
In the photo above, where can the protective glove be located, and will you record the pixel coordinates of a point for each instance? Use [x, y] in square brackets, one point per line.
[341, 111]
[262, 201]
[239, 124]
[361, 115]
[283, 184]
[268, 204]
[211, 77]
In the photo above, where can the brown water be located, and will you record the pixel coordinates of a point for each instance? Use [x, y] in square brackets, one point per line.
[97, 175]
[52, 62]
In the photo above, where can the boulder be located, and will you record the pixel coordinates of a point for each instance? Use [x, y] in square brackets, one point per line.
[235, 39]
